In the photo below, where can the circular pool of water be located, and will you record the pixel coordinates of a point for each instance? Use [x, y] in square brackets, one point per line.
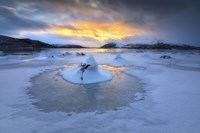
[52, 93]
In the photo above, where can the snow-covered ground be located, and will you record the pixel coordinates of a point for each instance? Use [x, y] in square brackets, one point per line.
[170, 103]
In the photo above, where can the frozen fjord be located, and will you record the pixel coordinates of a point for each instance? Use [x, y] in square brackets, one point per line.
[171, 102]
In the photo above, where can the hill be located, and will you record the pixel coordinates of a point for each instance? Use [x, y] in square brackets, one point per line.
[15, 44]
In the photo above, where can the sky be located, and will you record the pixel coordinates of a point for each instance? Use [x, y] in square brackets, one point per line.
[93, 23]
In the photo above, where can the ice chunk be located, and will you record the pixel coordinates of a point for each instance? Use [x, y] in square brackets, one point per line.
[92, 62]
[87, 73]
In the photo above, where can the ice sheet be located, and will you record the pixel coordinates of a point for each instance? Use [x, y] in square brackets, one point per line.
[171, 103]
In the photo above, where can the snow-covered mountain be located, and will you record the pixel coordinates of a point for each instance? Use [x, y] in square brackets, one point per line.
[113, 45]
[162, 46]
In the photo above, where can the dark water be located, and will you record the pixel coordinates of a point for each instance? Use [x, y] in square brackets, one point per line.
[53, 93]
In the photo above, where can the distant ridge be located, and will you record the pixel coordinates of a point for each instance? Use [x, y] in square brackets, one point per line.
[15, 43]
[162, 46]
[159, 45]
[69, 46]
[7, 42]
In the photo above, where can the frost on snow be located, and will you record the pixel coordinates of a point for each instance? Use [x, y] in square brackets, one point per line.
[86, 73]
[170, 103]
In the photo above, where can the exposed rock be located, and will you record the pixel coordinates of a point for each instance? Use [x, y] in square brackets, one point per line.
[165, 57]
[80, 54]
[66, 54]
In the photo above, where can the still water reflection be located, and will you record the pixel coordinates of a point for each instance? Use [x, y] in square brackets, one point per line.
[52, 93]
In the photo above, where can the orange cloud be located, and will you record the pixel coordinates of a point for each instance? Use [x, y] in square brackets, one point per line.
[99, 31]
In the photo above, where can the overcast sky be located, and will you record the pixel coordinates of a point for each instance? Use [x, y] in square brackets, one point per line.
[95, 22]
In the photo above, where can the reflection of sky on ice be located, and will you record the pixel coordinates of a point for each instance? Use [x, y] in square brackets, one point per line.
[53, 93]
[169, 102]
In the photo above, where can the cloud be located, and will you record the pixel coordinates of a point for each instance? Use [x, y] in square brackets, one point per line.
[11, 22]
[99, 31]
[169, 20]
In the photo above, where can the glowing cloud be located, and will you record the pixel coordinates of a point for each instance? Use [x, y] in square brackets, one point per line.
[99, 31]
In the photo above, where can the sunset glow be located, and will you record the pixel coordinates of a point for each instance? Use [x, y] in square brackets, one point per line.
[99, 31]
[93, 23]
